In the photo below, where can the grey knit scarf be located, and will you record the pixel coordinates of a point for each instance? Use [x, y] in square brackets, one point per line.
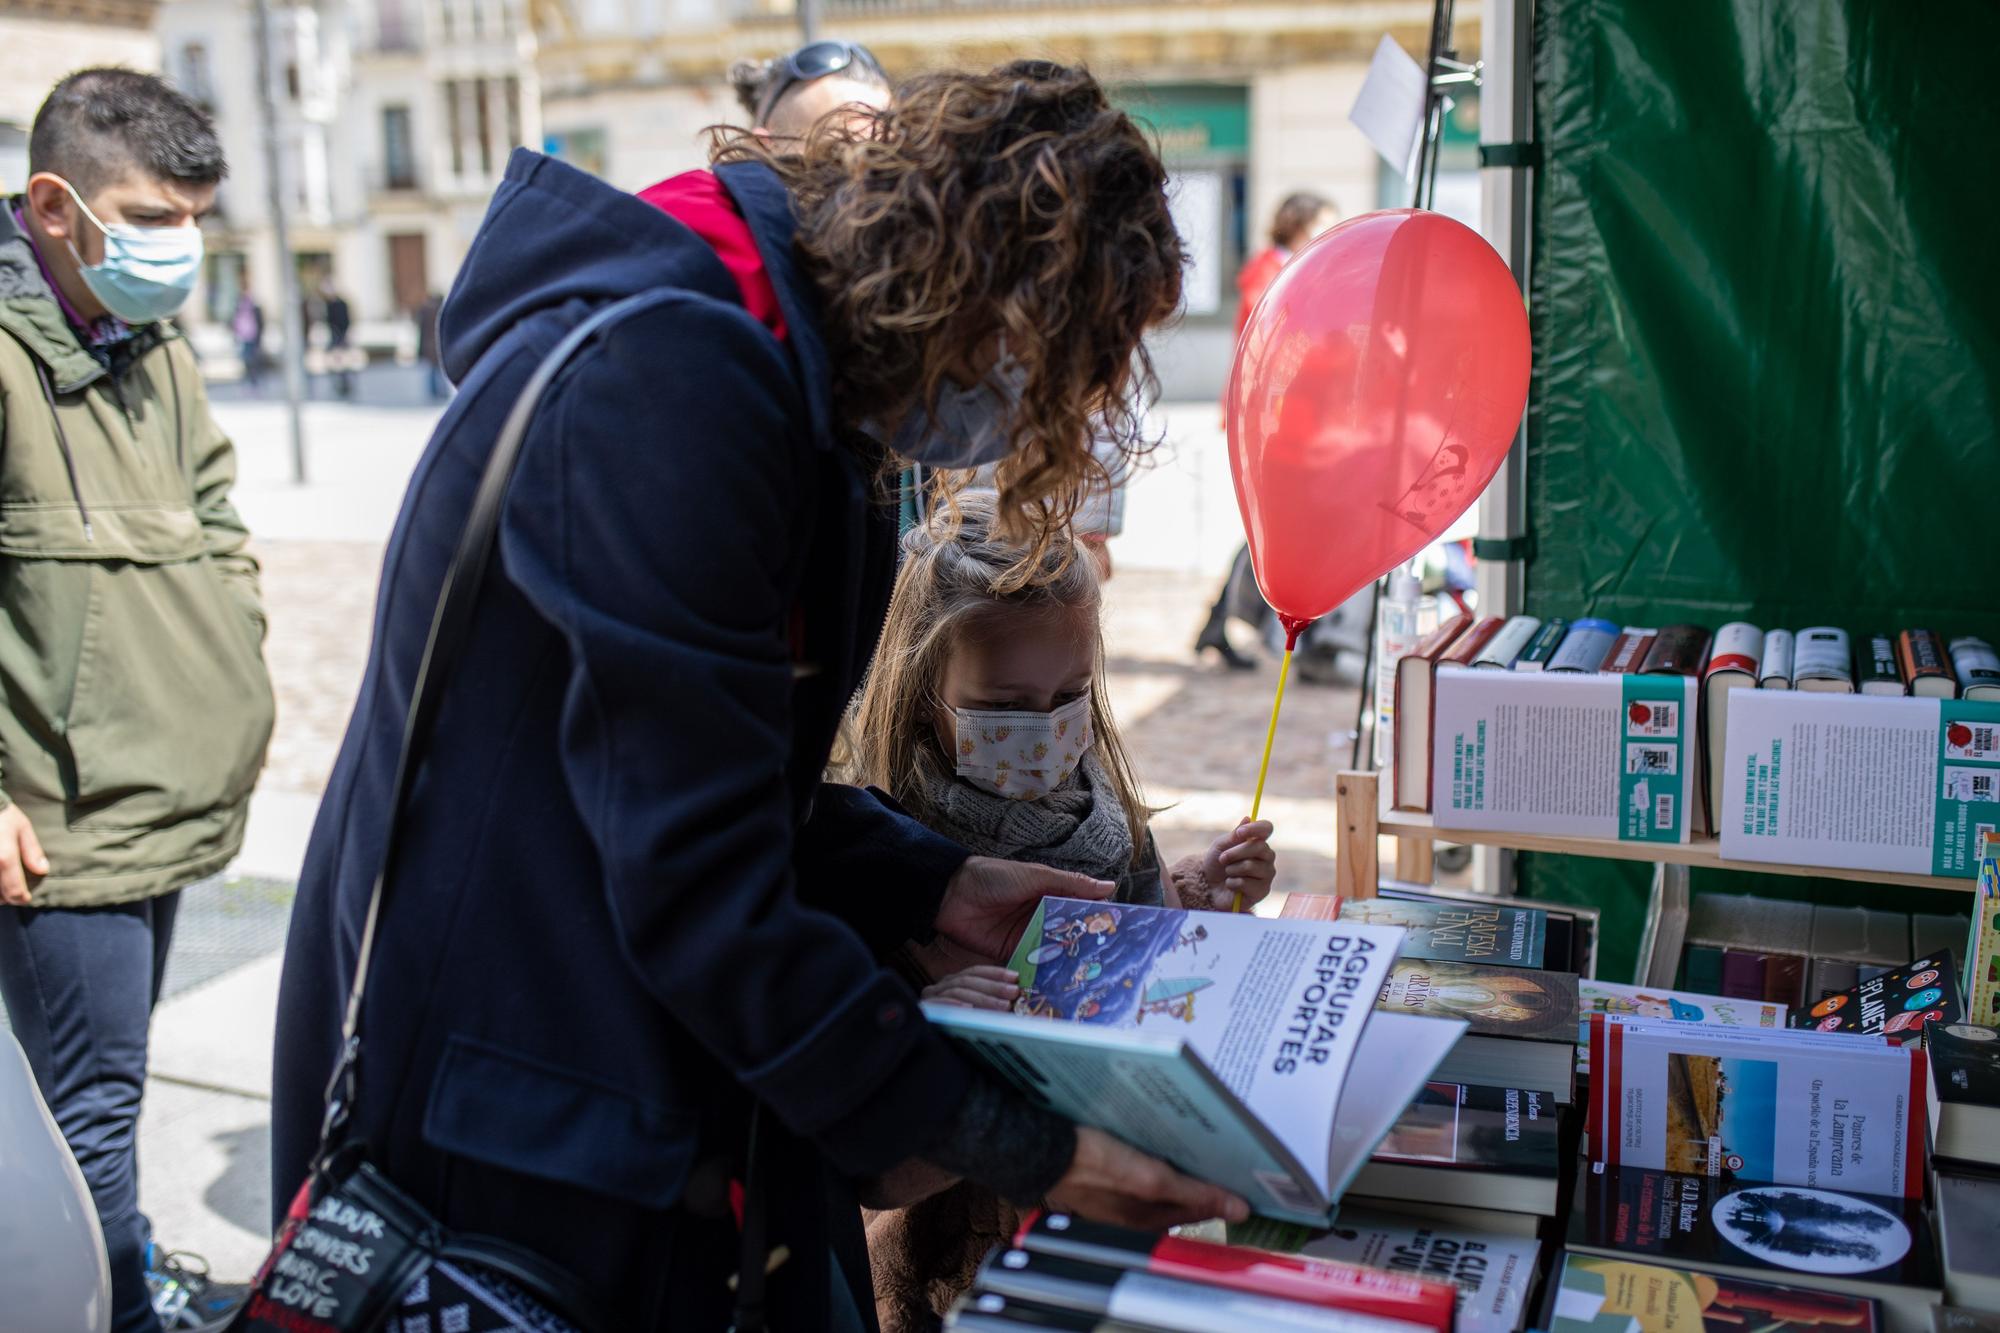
[1079, 827]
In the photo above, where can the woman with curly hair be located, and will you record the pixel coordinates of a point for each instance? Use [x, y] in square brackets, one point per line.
[629, 1008]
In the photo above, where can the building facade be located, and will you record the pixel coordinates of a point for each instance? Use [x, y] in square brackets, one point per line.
[42, 40]
[1249, 99]
[394, 122]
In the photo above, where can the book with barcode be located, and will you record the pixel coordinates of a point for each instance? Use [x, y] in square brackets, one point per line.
[1875, 666]
[1864, 783]
[1977, 667]
[1542, 648]
[1925, 664]
[1571, 754]
[1241, 1049]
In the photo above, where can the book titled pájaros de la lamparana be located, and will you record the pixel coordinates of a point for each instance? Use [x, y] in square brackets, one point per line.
[1222, 1043]
[1867, 1245]
[1795, 1108]
[1451, 931]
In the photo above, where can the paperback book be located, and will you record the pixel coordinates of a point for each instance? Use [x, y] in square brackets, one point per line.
[1897, 1004]
[1521, 1023]
[1895, 784]
[1793, 1108]
[1982, 947]
[1493, 1273]
[1240, 1049]
[1598, 756]
[1322, 1282]
[1461, 932]
[1598, 1295]
[1965, 1092]
[1874, 1246]
[1669, 1006]
[1473, 1147]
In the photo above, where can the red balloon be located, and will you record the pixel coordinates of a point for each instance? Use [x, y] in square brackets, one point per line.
[1376, 390]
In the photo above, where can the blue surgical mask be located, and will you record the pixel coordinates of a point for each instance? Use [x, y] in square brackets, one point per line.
[147, 272]
[969, 427]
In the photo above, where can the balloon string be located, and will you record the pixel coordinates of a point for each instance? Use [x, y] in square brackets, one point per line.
[1264, 769]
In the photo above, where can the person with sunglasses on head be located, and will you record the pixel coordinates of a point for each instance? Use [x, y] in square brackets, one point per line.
[630, 983]
[786, 96]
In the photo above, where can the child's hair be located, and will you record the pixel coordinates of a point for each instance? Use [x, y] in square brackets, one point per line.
[956, 578]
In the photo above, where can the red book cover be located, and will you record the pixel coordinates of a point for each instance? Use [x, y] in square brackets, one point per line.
[1468, 645]
[1410, 780]
[1292, 1277]
[1627, 651]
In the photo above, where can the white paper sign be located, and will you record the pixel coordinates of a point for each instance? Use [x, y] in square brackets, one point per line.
[1390, 107]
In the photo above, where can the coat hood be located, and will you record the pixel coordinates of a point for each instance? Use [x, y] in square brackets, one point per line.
[555, 235]
[29, 310]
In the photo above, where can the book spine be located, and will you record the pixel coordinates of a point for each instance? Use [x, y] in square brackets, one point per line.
[1466, 649]
[1583, 648]
[1701, 970]
[1875, 666]
[1543, 646]
[1743, 975]
[1785, 979]
[1921, 655]
[1830, 976]
[1977, 665]
[1777, 664]
[1982, 968]
[1627, 651]
[1506, 645]
[1739, 646]
[1679, 650]
[1822, 655]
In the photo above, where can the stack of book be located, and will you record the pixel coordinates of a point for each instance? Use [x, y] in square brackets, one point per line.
[1062, 1272]
[1585, 729]
[1441, 1126]
[1794, 954]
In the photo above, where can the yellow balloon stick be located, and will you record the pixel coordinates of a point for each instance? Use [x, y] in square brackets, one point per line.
[1264, 769]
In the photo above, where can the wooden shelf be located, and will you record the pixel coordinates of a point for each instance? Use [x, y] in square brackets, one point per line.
[1704, 854]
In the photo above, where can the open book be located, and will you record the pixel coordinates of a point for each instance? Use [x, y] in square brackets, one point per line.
[1246, 1052]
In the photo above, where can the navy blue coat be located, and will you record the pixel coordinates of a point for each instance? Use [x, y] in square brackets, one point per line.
[625, 907]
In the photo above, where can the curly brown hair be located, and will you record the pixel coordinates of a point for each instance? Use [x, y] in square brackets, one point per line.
[1016, 204]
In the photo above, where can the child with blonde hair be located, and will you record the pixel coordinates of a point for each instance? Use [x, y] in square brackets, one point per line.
[985, 716]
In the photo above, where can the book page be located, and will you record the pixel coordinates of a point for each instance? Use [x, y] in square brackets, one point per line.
[1275, 1008]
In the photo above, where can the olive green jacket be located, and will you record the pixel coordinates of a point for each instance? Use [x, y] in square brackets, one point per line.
[131, 628]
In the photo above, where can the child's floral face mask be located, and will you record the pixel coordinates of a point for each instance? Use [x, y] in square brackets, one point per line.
[1023, 756]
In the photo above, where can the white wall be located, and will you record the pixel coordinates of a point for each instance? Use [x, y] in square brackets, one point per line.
[1301, 139]
[650, 133]
[35, 53]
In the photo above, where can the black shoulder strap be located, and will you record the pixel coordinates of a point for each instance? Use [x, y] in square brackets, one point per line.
[450, 621]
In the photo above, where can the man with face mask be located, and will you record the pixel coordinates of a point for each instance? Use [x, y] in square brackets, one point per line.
[131, 628]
